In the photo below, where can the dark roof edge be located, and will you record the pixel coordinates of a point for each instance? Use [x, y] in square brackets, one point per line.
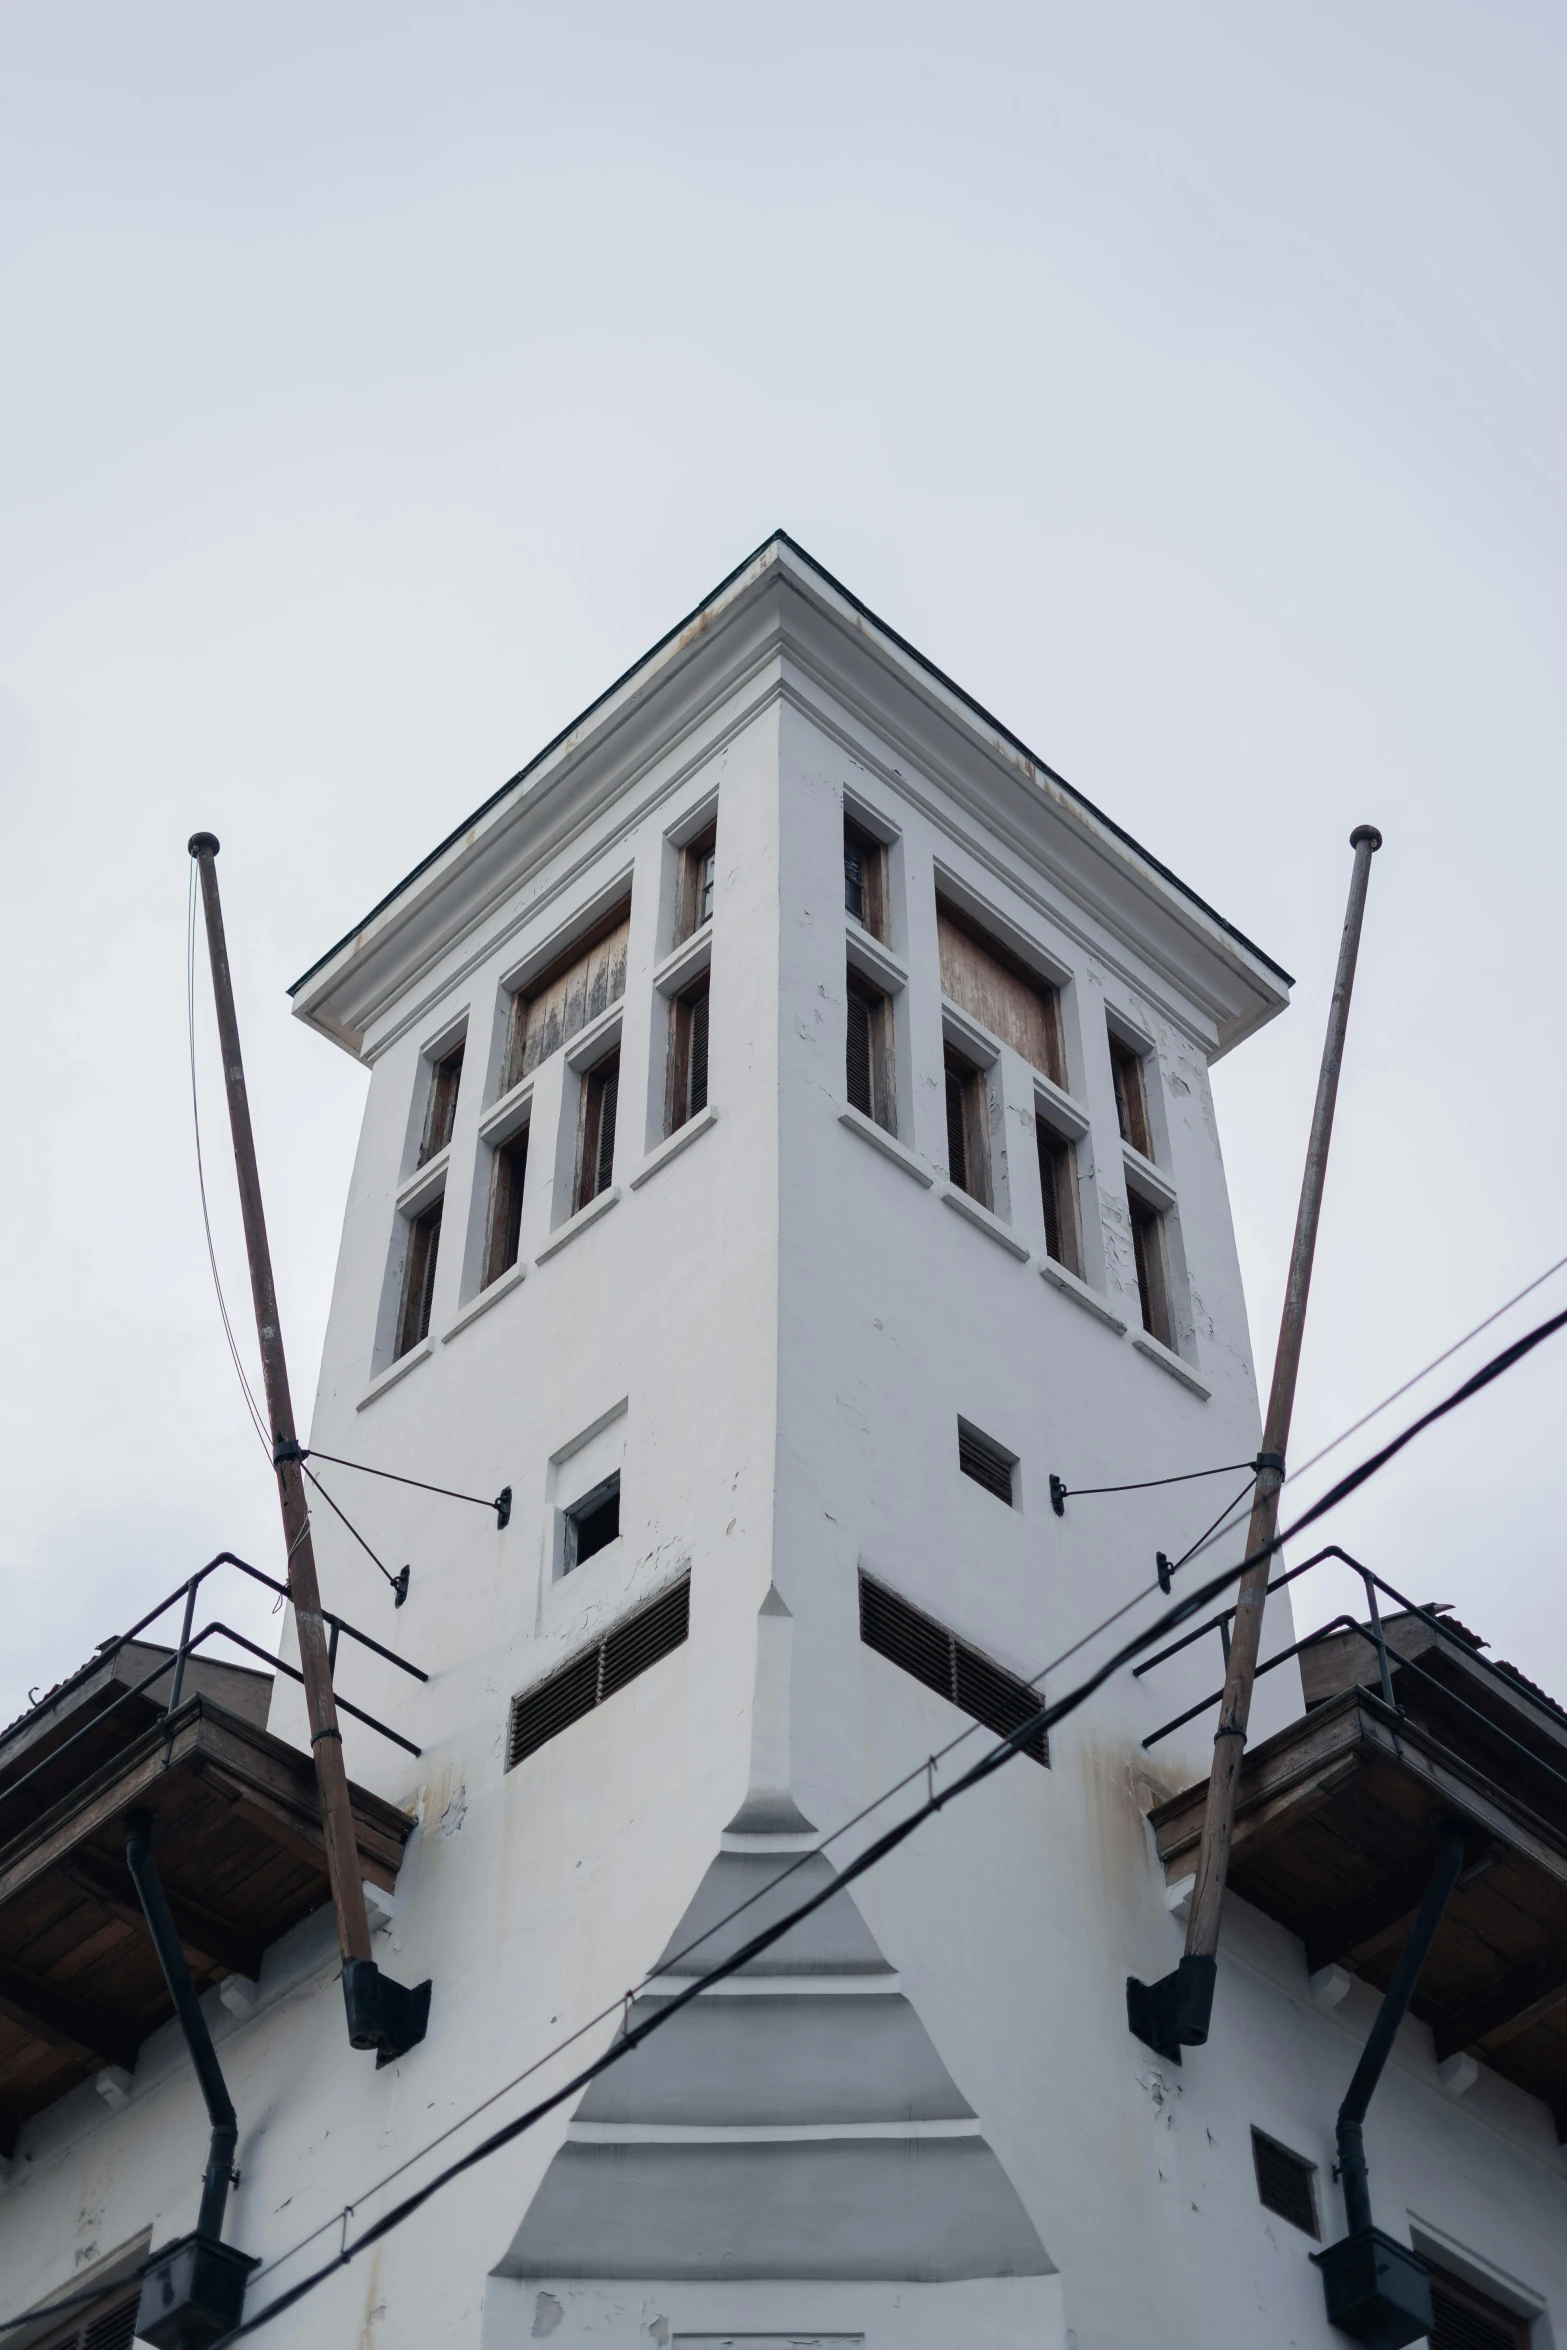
[782, 537]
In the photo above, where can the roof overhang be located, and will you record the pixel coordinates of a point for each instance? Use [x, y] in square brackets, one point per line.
[780, 604]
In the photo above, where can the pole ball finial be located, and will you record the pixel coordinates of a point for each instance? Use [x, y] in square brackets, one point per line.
[1365, 832]
[203, 844]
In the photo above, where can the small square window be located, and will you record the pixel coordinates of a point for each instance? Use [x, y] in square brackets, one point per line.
[592, 1524]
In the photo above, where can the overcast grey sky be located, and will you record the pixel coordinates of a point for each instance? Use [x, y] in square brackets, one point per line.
[380, 381]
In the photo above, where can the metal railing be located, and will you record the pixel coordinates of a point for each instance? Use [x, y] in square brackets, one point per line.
[1373, 1633]
[171, 1667]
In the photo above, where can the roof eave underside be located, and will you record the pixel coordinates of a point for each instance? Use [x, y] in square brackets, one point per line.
[776, 552]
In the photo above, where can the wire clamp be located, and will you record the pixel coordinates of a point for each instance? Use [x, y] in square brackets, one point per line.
[1164, 1571]
[1057, 1495]
[502, 1508]
[1269, 1460]
[288, 1448]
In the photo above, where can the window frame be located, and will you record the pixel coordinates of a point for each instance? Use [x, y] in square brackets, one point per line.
[593, 1089]
[1059, 1195]
[443, 1086]
[696, 886]
[554, 962]
[1129, 1082]
[1151, 1261]
[688, 1049]
[503, 1211]
[872, 912]
[967, 1094]
[881, 1103]
[421, 1260]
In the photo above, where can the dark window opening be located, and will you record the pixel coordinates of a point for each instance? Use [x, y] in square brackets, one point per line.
[687, 1055]
[1464, 2318]
[440, 1114]
[698, 871]
[990, 983]
[968, 1120]
[1131, 1096]
[987, 1463]
[1153, 1279]
[868, 1073]
[1286, 2183]
[424, 1240]
[965, 1676]
[864, 879]
[508, 1176]
[641, 1640]
[592, 1523]
[596, 1146]
[1058, 1191]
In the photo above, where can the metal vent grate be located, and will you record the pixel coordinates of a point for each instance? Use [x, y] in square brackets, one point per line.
[1286, 2183]
[115, 2330]
[985, 1461]
[541, 1713]
[1463, 2318]
[110, 2324]
[963, 1675]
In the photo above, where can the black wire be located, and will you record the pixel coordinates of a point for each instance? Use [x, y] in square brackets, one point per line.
[1227, 1511]
[1076, 1492]
[347, 1521]
[1044, 1720]
[312, 1454]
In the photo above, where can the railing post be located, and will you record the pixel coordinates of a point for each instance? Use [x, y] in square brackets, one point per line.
[1379, 1636]
[183, 1650]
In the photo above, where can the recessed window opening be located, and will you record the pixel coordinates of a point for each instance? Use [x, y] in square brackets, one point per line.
[424, 1241]
[596, 1136]
[1058, 1193]
[968, 1122]
[988, 1463]
[864, 878]
[687, 1055]
[698, 872]
[440, 1114]
[640, 1640]
[1153, 1270]
[1286, 2183]
[508, 1175]
[868, 1073]
[592, 1524]
[995, 988]
[571, 992]
[965, 1676]
[1131, 1095]
[1464, 2318]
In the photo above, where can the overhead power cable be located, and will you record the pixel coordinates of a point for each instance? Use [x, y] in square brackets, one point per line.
[1042, 1722]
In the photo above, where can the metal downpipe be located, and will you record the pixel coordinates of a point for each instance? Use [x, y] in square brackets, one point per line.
[203, 2056]
[1451, 1855]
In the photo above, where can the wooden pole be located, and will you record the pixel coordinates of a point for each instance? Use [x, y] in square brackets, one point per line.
[1213, 1860]
[326, 1740]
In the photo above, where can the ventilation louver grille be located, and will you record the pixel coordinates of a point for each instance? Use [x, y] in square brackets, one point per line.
[541, 1713]
[1285, 2183]
[109, 2325]
[985, 1462]
[961, 1674]
[1464, 2319]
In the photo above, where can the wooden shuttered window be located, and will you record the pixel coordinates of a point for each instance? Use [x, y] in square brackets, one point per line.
[584, 982]
[640, 1641]
[1153, 1271]
[968, 1123]
[596, 1133]
[1013, 1003]
[864, 878]
[687, 1092]
[1131, 1095]
[1058, 1193]
[508, 1175]
[965, 1676]
[424, 1242]
[441, 1109]
[868, 1080]
[1464, 2318]
[698, 880]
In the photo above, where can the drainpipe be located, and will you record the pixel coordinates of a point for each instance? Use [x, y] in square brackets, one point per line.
[194, 2289]
[1376, 2288]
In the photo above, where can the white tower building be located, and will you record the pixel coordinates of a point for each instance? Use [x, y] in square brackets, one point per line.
[789, 1147]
